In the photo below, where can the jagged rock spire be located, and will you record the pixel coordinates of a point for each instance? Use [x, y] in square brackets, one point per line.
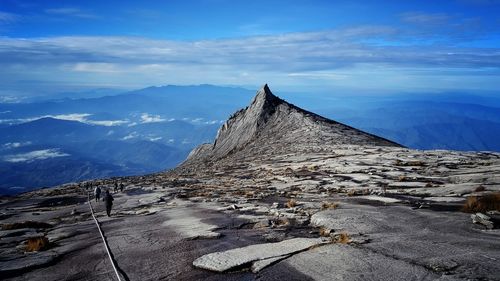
[271, 120]
[264, 99]
[264, 94]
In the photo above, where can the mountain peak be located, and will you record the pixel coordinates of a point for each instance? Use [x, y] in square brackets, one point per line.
[265, 99]
[272, 124]
[264, 93]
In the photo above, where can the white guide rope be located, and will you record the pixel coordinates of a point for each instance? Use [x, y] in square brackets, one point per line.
[104, 241]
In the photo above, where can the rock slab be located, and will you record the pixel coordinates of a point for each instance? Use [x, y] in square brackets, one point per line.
[226, 260]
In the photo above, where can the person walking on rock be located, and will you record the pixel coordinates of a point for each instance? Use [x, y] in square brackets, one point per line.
[97, 192]
[108, 198]
[121, 187]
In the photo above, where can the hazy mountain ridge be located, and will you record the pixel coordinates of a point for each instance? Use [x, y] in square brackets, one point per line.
[169, 121]
[131, 133]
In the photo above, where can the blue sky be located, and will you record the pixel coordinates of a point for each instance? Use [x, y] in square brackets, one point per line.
[331, 46]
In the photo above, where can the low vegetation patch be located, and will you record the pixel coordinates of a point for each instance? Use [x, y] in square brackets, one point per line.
[482, 204]
[291, 203]
[351, 192]
[342, 238]
[329, 205]
[36, 244]
[325, 232]
[277, 222]
[25, 224]
[314, 168]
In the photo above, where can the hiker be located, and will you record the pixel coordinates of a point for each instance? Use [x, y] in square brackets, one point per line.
[108, 198]
[97, 192]
[116, 186]
[121, 187]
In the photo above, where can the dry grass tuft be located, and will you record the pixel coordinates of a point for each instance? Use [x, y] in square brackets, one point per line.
[37, 244]
[325, 232]
[342, 238]
[25, 224]
[351, 192]
[329, 205]
[314, 168]
[291, 203]
[249, 194]
[277, 222]
[482, 204]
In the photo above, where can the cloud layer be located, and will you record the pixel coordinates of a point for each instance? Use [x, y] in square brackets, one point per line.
[34, 155]
[79, 117]
[436, 51]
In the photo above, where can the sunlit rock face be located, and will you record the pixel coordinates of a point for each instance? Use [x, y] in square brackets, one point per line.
[272, 123]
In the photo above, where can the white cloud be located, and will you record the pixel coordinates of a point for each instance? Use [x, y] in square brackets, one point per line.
[107, 123]
[97, 67]
[11, 145]
[78, 117]
[82, 117]
[35, 155]
[212, 122]
[10, 99]
[155, 138]
[131, 136]
[285, 60]
[151, 118]
[200, 120]
[318, 75]
[17, 188]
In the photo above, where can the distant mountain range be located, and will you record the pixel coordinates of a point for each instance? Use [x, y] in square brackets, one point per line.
[59, 140]
[68, 138]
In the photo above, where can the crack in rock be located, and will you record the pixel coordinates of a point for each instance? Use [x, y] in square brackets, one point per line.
[261, 264]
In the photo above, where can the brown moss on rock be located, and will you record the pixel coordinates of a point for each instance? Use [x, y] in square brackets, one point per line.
[36, 244]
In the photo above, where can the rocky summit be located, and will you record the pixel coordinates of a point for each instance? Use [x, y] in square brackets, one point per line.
[271, 124]
[281, 194]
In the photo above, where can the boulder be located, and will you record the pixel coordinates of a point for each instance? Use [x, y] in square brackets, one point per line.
[480, 218]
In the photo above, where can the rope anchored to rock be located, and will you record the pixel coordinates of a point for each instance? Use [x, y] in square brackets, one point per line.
[108, 250]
